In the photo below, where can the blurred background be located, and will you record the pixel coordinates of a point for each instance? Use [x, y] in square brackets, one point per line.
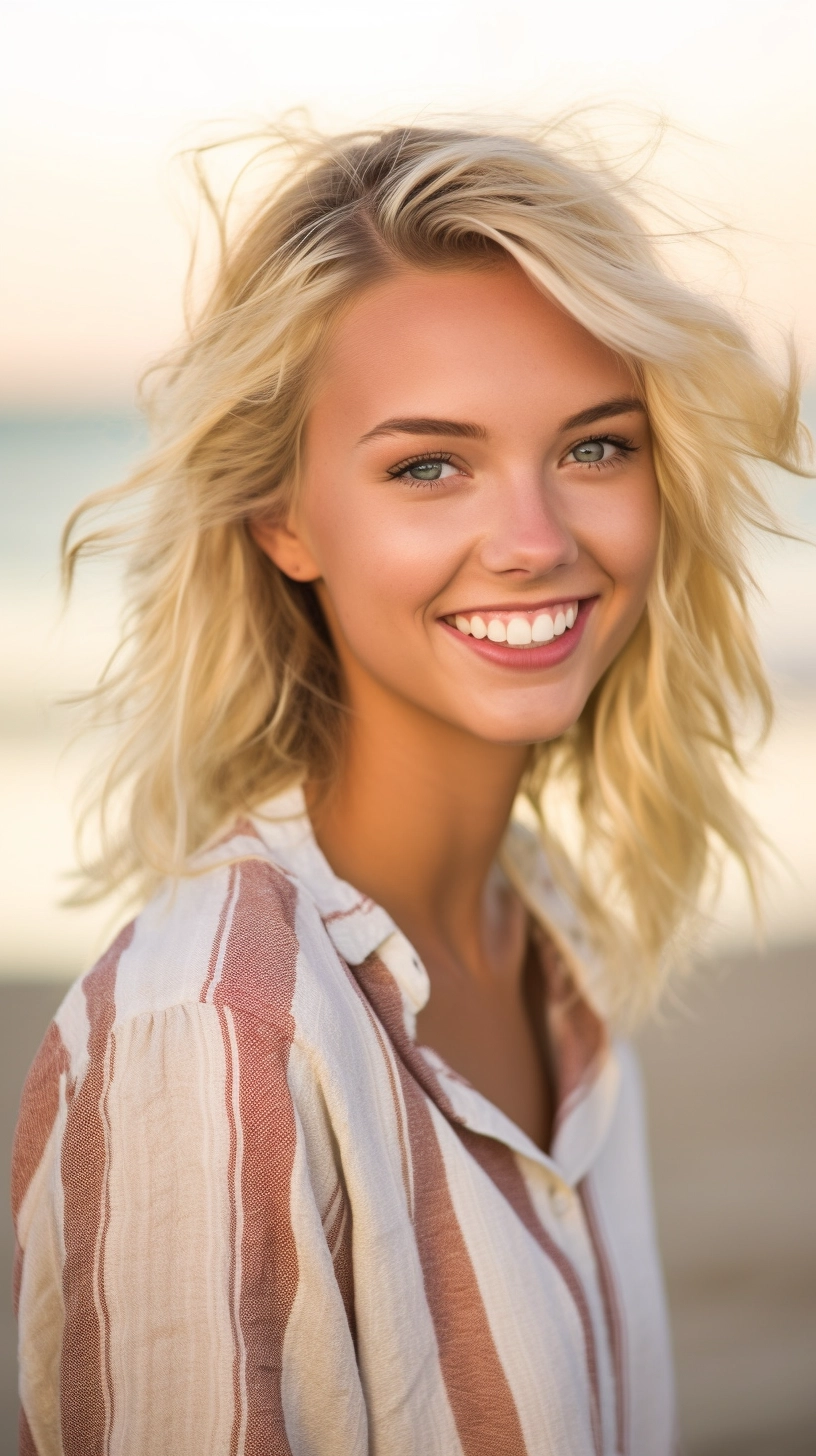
[97, 99]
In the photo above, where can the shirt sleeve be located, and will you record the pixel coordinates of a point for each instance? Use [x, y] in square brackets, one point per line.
[181, 1285]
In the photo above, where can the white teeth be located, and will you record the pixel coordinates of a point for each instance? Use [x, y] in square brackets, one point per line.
[543, 628]
[519, 632]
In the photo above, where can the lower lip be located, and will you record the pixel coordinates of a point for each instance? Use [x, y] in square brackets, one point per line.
[529, 659]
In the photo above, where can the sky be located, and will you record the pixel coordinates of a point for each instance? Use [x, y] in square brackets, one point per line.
[99, 96]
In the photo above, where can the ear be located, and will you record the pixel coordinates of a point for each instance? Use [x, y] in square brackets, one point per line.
[285, 548]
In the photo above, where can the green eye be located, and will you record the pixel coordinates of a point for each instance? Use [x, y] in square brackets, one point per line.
[589, 451]
[426, 470]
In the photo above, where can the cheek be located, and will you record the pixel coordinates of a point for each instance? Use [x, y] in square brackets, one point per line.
[622, 533]
[383, 555]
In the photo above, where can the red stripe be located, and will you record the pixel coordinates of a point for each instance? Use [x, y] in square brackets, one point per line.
[498, 1161]
[478, 1390]
[495, 1158]
[376, 966]
[39, 1106]
[259, 971]
[381, 990]
[85, 1375]
[362, 906]
[612, 1313]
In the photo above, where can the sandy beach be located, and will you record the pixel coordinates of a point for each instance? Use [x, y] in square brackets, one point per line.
[731, 1087]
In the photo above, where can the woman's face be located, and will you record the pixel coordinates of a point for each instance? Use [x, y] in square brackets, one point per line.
[478, 503]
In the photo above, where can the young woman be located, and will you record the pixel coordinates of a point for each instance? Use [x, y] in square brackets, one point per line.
[337, 1149]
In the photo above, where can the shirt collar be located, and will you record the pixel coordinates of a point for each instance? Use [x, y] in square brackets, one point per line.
[356, 925]
[581, 1126]
[586, 1071]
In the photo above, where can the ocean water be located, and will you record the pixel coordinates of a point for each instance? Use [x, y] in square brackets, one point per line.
[47, 464]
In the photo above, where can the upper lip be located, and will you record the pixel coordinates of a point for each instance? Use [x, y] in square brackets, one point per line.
[561, 601]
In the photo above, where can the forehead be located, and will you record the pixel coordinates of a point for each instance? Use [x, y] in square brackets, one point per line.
[478, 339]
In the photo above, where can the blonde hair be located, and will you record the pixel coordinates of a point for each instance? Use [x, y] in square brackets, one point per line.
[227, 687]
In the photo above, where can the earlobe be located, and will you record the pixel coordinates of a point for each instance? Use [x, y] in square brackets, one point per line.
[284, 547]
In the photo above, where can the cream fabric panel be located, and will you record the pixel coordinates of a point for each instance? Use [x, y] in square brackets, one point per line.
[168, 1246]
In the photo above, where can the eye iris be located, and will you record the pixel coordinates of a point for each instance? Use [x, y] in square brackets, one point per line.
[426, 470]
[591, 450]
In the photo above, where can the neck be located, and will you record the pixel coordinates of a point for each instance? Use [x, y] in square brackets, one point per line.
[415, 819]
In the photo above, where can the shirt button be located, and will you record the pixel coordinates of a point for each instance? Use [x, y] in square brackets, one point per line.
[562, 1201]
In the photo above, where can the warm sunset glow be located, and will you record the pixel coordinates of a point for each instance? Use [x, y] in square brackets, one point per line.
[98, 98]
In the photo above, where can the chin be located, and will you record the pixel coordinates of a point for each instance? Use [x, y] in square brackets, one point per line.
[515, 731]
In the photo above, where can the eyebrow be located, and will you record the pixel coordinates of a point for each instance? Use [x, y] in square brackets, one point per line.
[423, 425]
[609, 407]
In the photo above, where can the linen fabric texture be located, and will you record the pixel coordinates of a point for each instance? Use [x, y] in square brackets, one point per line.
[254, 1216]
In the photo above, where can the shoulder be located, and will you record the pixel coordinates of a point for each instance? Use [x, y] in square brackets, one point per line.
[238, 934]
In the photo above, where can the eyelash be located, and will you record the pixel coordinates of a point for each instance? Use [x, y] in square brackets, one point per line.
[625, 447]
[429, 457]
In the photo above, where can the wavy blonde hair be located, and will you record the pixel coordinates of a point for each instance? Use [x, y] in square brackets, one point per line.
[226, 685]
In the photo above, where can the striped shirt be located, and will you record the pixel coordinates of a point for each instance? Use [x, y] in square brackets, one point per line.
[255, 1216]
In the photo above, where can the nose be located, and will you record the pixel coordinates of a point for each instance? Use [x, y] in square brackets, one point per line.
[527, 534]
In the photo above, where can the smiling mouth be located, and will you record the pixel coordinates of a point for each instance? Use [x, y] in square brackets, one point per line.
[518, 629]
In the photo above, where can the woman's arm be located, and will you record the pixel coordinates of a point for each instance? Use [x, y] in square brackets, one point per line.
[176, 1286]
